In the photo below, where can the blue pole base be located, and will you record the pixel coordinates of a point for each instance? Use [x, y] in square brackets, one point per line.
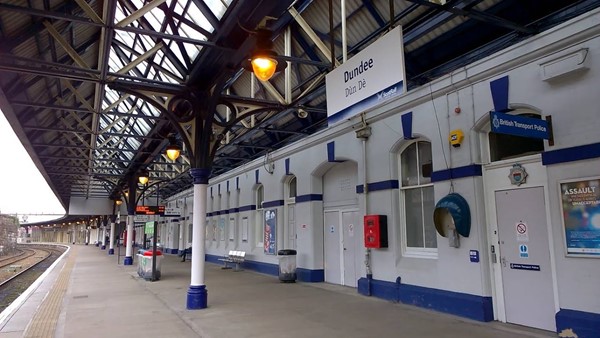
[97, 244]
[197, 297]
[111, 251]
[128, 261]
[103, 247]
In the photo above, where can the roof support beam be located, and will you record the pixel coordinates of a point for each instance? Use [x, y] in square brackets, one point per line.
[89, 11]
[139, 13]
[139, 59]
[65, 45]
[312, 35]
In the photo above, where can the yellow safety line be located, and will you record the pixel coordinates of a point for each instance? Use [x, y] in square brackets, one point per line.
[43, 323]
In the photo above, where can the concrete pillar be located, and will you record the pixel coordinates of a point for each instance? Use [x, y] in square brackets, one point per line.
[197, 297]
[130, 219]
[111, 239]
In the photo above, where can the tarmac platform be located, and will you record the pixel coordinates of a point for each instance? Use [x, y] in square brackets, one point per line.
[92, 294]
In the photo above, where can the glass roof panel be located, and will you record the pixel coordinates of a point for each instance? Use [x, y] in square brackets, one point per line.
[142, 127]
[157, 20]
[134, 143]
[218, 7]
[155, 17]
[195, 15]
[168, 65]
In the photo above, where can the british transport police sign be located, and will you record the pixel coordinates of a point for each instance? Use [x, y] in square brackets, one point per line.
[518, 125]
[369, 78]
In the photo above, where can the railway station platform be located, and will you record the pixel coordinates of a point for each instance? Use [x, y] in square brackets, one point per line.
[91, 294]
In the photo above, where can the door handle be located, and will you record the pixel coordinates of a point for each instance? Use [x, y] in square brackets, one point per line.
[503, 260]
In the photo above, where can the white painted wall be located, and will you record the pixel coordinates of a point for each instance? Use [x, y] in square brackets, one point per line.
[572, 102]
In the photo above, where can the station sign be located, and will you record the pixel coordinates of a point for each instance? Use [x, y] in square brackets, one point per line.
[172, 212]
[369, 78]
[150, 210]
[502, 123]
[141, 218]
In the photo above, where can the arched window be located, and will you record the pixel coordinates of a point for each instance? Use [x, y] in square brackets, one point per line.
[504, 146]
[292, 188]
[417, 200]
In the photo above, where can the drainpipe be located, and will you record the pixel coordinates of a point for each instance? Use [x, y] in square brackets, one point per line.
[363, 133]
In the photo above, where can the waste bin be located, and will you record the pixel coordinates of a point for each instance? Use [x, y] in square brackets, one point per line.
[287, 265]
[145, 264]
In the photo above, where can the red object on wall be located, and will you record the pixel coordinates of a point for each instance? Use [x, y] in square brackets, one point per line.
[375, 231]
[125, 236]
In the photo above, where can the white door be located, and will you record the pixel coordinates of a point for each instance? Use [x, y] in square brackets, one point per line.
[291, 226]
[525, 257]
[342, 242]
[332, 256]
[352, 235]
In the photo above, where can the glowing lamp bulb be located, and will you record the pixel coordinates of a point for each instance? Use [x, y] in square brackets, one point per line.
[264, 67]
[143, 179]
[173, 152]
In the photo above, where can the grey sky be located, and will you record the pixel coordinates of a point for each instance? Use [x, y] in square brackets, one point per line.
[23, 190]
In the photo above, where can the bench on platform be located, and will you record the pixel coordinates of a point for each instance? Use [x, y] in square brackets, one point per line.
[234, 257]
[186, 254]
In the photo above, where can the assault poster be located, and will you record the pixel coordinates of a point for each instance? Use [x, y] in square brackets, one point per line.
[580, 205]
[269, 239]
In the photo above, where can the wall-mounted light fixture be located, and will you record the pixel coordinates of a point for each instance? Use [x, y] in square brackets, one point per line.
[263, 60]
[173, 149]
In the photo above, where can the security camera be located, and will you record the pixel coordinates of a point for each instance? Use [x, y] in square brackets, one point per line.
[302, 113]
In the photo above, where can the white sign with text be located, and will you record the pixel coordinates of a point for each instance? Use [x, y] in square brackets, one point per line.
[372, 76]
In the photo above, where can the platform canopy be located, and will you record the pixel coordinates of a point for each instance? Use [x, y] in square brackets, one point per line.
[66, 66]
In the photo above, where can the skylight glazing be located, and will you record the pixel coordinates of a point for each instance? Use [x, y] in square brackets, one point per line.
[169, 64]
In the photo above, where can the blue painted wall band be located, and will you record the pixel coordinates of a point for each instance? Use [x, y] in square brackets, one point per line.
[331, 151]
[406, 120]
[456, 303]
[308, 198]
[305, 275]
[453, 173]
[247, 208]
[376, 186]
[499, 88]
[271, 204]
[584, 324]
[585, 152]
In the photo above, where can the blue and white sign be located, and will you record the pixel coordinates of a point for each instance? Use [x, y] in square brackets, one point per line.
[372, 76]
[523, 251]
[474, 256]
[528, 267]
[519, 125]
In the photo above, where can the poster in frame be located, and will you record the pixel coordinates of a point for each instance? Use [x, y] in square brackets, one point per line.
[580, 210]
[270, 232]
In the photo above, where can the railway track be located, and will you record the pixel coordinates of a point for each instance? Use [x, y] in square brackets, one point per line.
[18, 273]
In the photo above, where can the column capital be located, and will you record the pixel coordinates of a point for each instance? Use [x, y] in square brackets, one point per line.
[200, 175]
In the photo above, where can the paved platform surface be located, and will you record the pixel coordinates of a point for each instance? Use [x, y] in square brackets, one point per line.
[89, 295]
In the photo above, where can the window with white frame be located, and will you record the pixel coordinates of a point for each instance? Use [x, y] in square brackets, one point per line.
[417, 200]
[291, 189]
[259, 222]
